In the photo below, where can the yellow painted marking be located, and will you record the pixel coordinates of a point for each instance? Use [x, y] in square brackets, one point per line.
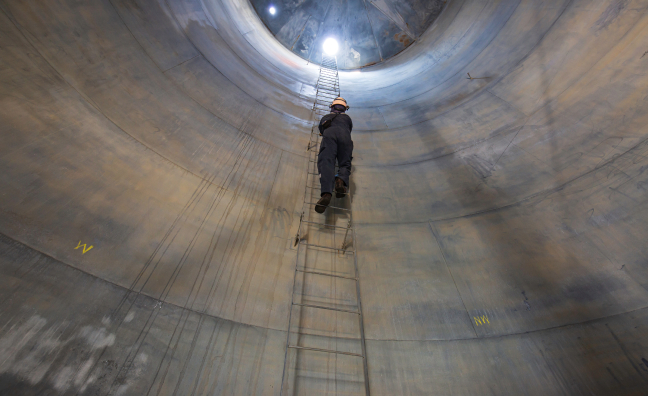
[84, 247]
[481, 320]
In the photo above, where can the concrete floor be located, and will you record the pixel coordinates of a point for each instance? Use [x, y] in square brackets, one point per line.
[152, 169]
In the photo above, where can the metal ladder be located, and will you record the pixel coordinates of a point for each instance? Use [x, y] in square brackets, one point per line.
[325, 347]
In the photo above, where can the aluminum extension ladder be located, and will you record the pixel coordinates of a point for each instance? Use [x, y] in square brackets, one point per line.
[325, 345]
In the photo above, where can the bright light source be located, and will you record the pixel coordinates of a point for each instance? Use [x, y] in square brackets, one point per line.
[272, 10]
[330, 46]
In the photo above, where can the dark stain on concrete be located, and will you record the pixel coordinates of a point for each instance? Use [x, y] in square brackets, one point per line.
[610, 14]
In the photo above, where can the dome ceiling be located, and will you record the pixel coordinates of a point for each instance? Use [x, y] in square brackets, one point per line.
[368, 31]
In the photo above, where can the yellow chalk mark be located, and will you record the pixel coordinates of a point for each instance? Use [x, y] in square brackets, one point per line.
[481, 320]
[84, 247]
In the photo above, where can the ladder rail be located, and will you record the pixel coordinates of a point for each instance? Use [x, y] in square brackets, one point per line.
[361, 316]
[292, 301]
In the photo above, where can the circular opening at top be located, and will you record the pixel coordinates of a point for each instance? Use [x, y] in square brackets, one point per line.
[367, 32]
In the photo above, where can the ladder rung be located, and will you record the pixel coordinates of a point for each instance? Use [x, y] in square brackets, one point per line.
[325, 274]
[327, 247]
[327, 225]
[318, 186]
[326, 350]
[316, 161]
[329, 206]
[328, 308]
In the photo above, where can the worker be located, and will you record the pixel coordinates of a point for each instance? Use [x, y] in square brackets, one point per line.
[335, 129]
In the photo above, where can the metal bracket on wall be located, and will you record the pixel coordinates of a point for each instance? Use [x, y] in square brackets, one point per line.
[476, 78]
[298, 236]
[346, 234]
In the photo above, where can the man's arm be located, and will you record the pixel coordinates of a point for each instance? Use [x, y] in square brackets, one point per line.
[320, 125]
[321, 128]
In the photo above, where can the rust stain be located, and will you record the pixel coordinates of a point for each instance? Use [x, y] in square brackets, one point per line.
[403, 38]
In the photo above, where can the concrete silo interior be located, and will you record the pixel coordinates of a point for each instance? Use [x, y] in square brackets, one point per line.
[155, 163]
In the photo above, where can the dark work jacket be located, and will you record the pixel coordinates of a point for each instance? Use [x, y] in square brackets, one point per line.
[341, 123]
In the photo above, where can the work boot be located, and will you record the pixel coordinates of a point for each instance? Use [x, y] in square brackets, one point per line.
[323, 203]
[340, 188]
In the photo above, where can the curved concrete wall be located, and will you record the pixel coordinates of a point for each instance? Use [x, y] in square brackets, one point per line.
[500, 221]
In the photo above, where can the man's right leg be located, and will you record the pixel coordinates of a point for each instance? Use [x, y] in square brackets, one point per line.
[344, 156]
[326, 169]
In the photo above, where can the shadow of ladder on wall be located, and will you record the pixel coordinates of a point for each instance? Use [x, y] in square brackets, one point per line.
[325, 345]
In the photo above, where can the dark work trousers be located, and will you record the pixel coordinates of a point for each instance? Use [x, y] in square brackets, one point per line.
[336, 144]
